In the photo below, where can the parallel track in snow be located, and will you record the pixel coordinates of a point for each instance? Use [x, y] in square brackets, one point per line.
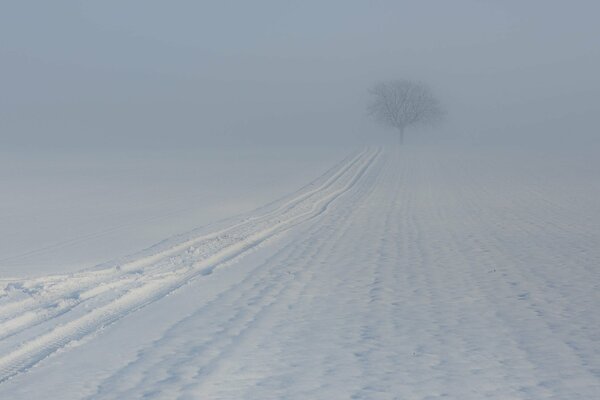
[39, 316]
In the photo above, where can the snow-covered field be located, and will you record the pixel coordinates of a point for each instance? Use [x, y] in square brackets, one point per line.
[65, 211]
[421, 274]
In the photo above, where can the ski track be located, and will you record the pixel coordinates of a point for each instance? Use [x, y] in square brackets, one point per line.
[400, 276]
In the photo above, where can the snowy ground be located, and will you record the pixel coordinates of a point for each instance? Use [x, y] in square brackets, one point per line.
[416, 275]
[62, 212]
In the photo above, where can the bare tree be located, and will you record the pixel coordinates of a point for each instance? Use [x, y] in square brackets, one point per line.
[403, 103]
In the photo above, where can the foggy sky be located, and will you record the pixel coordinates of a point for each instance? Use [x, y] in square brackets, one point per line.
[193, 73]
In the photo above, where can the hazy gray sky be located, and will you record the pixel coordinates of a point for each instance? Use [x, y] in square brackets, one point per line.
[187, 73]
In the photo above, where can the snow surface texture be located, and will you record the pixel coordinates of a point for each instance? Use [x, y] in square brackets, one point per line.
[412, 275]
[66, 212]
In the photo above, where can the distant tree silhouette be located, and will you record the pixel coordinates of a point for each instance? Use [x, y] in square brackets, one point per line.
[404, 103]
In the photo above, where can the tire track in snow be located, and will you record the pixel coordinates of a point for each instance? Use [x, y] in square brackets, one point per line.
[158, 279]
[44, 291]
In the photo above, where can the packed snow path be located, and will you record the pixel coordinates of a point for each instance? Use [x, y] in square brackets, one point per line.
[394, 276]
